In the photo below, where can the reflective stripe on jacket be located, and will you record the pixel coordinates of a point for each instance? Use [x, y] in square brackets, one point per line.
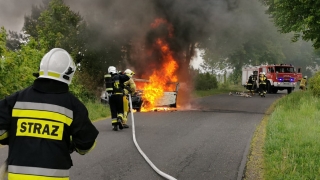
[108, 82]
[41, 119]
[35, 173]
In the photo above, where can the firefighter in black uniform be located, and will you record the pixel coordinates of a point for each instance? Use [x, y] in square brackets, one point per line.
[250, 84]
[116, 85]
[262, 84]
[44, 123]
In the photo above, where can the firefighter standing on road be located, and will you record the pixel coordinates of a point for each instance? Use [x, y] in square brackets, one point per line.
[129, 88]
[303, 83]
[262, 84]
[250, 84]
[38, 122]
[116, 99]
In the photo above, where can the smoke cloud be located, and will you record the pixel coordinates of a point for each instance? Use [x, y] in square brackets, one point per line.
[13, 11]
[217, 24]
[199, 23]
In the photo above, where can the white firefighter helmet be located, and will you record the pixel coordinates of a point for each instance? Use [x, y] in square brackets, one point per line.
[305, 77]
[129, 73]
[112, 70]
[57, 64]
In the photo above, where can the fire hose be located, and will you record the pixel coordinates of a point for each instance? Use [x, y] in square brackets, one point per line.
[141, 152]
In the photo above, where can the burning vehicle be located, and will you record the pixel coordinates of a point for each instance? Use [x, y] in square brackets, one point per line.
[167, 100]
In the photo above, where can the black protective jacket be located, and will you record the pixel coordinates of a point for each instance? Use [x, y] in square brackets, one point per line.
[38, 124]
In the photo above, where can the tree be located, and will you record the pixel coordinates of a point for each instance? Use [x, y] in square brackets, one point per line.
[301, 17]
[58, 26]
[31, 21]
[16, 67]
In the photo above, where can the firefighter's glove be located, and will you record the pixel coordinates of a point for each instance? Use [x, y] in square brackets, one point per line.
[126, 91]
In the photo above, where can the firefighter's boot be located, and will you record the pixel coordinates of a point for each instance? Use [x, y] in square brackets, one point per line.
[115, 127]
[125, 126]
[115, 124]
[119, 119]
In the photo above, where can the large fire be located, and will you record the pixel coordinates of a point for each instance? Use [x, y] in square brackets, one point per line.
[161, 78]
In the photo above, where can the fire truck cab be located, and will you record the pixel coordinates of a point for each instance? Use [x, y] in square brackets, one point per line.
[279, 76]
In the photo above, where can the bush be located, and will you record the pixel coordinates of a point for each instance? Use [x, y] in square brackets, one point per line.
[206, 81]
[314, 84]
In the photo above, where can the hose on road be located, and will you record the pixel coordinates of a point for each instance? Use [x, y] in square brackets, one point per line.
[141, 152]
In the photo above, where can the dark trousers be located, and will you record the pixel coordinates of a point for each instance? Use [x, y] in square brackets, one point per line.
[262, 88]
[116, 105]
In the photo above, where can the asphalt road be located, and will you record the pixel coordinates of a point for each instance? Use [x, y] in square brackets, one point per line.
[209, 141]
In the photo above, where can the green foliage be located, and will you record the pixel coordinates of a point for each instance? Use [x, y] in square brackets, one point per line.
[300, 17]
[292, 138]
[206, 81]
[97, 110]
[17, 66]
[314, 84]
[79, 90]
[58, 26]
[235, 77]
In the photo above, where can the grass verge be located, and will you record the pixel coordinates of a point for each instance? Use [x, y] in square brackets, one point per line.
[292, 138]
[255, 163]
[285, 145]
[97, 110]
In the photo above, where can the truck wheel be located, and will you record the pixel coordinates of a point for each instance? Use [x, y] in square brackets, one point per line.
[274, 90]
[289, 90]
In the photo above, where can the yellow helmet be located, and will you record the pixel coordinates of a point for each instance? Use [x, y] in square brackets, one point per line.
[129, 73]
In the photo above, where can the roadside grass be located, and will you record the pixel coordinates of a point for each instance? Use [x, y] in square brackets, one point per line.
[292, 146]
[97, 110]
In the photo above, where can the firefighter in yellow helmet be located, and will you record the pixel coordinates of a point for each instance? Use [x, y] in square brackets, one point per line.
[303, 83]
[129, 88]
[44, 123]
[262, 84]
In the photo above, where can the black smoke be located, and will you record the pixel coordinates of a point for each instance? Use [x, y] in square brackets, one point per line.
[201, 23]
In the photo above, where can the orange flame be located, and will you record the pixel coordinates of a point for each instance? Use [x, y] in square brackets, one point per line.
[160, 79]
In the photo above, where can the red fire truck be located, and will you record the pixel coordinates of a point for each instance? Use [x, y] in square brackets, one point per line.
[280, 76]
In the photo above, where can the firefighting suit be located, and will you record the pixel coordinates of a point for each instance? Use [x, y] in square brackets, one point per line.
[250, 84]
[116, 99]
[108, 83]
[303, 84]
[38, 124]
[129, 88]
[262, 85]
